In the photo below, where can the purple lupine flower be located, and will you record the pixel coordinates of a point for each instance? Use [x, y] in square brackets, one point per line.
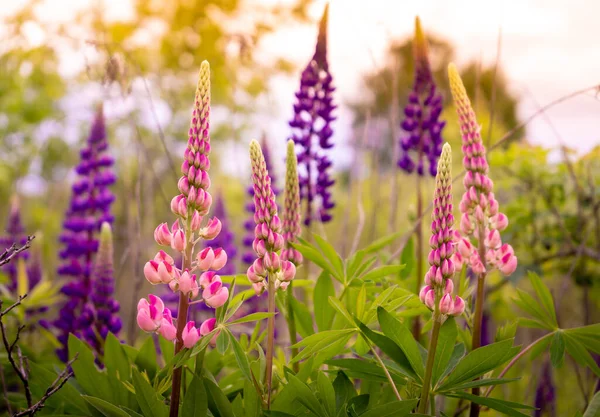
[545, 393]
[89, 208]
[249, 256]
[15, 233]
[312, 132]
[226, 239]
[106, 308]
[422, 137]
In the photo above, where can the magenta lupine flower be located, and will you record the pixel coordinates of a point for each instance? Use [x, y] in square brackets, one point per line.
[291, 208]
[15, 233]
[197, 275]
[481, 221]
[438, 279]
[249, 256]
[422, 138]
[89, 207]
[312, 132]
[106, 308]
[268, 240]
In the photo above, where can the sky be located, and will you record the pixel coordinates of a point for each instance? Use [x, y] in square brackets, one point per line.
[548, 49]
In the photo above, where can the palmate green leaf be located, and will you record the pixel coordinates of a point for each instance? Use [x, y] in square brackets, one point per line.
[324, 312]
[528, 304]
[313, 255]
[218, 403]
[445, 347]
[303, 318]
[380, 272]
[319, 341]
[391, 349]
[557, 349]
[393, 409]
[90, 378]
[396, 331]
[587, 335]
[506, 407]
[578, 351]
[544, 296]
[344, 390]
[381, 243]
[107, 409]
[338, 347]
[478, 362]
[337, 304]
[240, 356]
[531, 323]
[326, 393]
[593, 409]
[365, 266]
[195, 401]
[407, 257]
[148, 400]
[251, 317]
[115, 359]
[305, 396]
[354, 262]
[332, 256]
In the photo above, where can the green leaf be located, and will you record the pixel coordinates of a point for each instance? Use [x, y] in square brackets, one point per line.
[251, 400]
[106, 408]
[381, 243]
[326, 393]
[344, 390]
[354, 262]
[319, 341]
[240, 356]
[251, 317]
[588, 336]
[366, 368]
[528, 304]
[222, 342]
[303, 318]
[167, 349]
[93, 382]
[478, 362]
[146, 358]
[457, 354]
[115, 358]
[505, 407]
[324, 312]
[393, 409]
[396, 331]
[376, 274]
[330, 253]
[580, 353]
[313, 255]
[195, 402]
[445, 347]
[149, 401]
[482, 383]
[407, 257]
[390, 348]
[337, 304]
[361, 301]
[593, 409]
[218, 403]
[358, 405]
[557, 349]
[305, 396]
[544, 295]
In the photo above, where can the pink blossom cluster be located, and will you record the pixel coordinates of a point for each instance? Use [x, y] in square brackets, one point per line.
[198, 274]
[481, 221]
[438, 279]
[268, 240]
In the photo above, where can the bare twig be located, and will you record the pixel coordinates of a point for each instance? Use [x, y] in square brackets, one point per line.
[14, 250]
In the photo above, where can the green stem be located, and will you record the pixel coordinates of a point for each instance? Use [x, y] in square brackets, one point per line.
[385, 370]
[430, 359]
[270, 339]
[292, 325]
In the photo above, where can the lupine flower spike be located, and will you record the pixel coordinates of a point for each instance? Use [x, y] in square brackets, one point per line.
[89, 208]
[15, 233]
[268, 271]
[106, 308]
[198, 273]
[437, 293]
[249, 256]
[312, 132]
[479, 243]
[225, 240]
[422, 139]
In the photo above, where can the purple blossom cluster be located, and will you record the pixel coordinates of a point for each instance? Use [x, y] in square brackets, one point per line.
[312, 131]
[89, 207]
[15, 233]
[422, 137]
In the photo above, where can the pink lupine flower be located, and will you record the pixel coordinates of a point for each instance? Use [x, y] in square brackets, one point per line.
[208, 278]
[215, 295]
[196, 222]
[162, 256]
[150, 313]
[160, 272]
[167, 329]
[480, 217]
[442, 258]
[207, 327]
[212, 229]
[162, 235]
[186, 283]
[205, 259]
[291, 209]
[190, 335]
[178, 241]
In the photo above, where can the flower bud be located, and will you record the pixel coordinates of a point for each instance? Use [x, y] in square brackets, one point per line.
[272, 262]
[449, 287]
[458, 307]
[196, 221]
[259, 287]
[187, 284]
[151, 272]
[259, 247]
[424, 292]
[289, 270]
[220, 259]
[259, 267]
[212, 229]
[492, 240]
[500, 221]
[190, 335]
[178, 242]
[465, 248]
[162, 256]
[430, 299]
[183, 185]
[208, 278]
[508, 264]
[446, 304]
[215, 295]
[208, 326]
[166, 272]
[476, 264]
[205, 258]
[162, 235]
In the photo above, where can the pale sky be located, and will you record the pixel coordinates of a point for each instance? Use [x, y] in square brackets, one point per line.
[549, 48]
